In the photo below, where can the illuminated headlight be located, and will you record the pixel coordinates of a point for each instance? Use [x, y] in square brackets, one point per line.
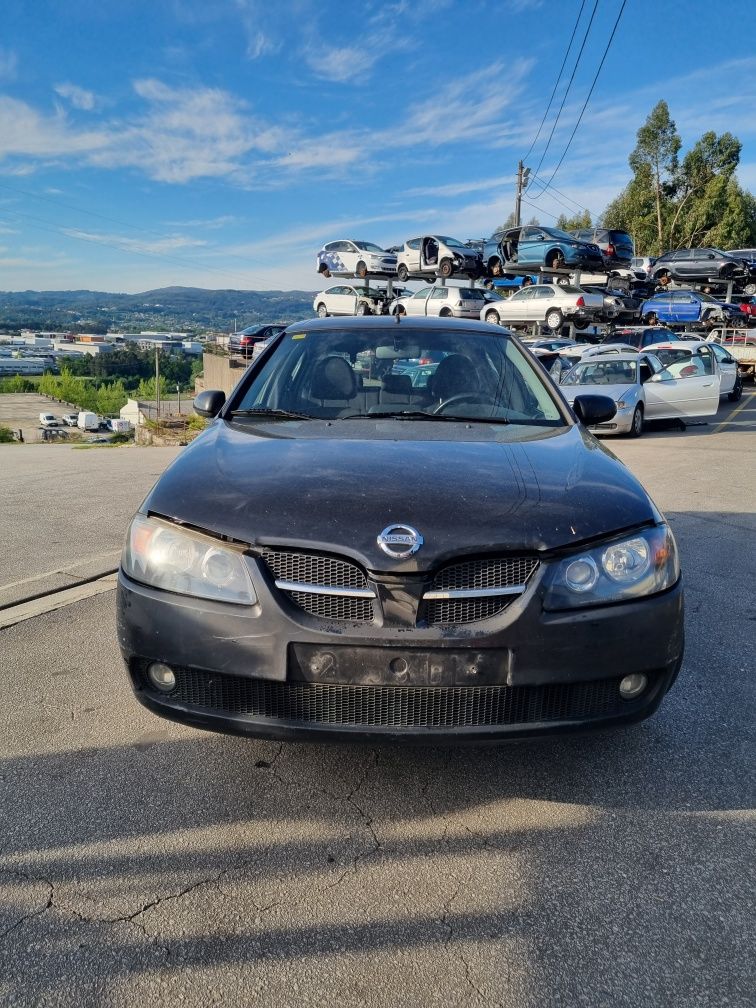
[627, 569]
[176, 559]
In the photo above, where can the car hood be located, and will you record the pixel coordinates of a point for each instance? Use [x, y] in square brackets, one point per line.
[502, 488]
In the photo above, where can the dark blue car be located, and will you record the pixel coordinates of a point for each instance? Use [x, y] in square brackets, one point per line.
[681, 306]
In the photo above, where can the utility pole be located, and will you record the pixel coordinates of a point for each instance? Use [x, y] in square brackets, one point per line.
[178, 393]
[523, 174]
[157, 382]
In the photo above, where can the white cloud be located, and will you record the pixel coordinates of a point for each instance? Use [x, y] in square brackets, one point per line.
[77, 96]
[140, 245]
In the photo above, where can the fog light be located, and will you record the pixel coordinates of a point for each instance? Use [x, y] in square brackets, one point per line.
[632, 685]
[163, 678]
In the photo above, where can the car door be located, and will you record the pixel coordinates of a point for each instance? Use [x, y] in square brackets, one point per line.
[532, 246]
[418, 303]
[412, 254]
[519, 307]
[439, 298]
[684, 389]
[341, 300]
[728, 369]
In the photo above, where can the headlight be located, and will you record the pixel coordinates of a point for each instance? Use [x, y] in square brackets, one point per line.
[629, 568]
[175, 559]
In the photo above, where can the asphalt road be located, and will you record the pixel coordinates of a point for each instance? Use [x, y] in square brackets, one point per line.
[143, 862]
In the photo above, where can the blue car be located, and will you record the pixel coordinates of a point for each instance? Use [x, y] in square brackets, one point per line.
[516, 250]
[681, 306]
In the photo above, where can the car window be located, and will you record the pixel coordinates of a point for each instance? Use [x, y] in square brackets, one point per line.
[544, 292]
[368, 247]
[439, 294]
[615, 372]
[322, 375]
[472, 294]
[422, 294]
[413, 243]
[522, 295]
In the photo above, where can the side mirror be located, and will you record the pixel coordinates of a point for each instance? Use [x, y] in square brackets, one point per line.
[594, 409]
[655, 377]
[209, 403]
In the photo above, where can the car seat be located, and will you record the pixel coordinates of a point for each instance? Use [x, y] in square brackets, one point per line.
[333, 385]
[454, 375]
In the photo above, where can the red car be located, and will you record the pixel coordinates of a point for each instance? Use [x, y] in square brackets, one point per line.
[747, 305]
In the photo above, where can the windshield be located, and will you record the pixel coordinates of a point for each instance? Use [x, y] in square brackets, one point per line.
[338, 374]
[556, 233]
[614, 372]
[453, 243]
[369, 247]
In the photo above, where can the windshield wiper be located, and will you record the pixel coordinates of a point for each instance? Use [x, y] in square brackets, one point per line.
[265, 411]
[421, 415]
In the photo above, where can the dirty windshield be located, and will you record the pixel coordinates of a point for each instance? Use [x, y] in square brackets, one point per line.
[428, 375]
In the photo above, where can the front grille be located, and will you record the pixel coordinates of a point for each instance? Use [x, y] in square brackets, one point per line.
[484, 575]
[334, 607]
[295, 571]
[498, 572]
[469, 610]
[399, 706]
[314, 569]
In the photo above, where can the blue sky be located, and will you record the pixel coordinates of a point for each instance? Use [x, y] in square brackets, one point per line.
[219, 144]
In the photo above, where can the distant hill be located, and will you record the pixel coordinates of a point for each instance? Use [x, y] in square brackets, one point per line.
[183, 308]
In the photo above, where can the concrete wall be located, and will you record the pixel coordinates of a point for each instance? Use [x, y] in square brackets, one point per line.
[221, 372]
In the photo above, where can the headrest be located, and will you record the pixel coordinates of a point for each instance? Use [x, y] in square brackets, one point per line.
[397, 384]
[333, 378]
[453, 376]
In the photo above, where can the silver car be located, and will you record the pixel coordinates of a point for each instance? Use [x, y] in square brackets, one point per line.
[457, 302]
[552, 304]
[348, 257]
[644, 389]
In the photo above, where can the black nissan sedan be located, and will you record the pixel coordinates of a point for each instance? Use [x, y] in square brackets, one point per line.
[345, 552]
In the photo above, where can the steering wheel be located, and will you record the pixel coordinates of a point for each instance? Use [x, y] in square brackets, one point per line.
[483, 398]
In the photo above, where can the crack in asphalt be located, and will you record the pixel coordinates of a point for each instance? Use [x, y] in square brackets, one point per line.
[35, 913]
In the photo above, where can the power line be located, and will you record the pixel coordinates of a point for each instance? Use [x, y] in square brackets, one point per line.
[553, 189]
[585, 104]
[569, 85]
[539, 209]
[559, 77]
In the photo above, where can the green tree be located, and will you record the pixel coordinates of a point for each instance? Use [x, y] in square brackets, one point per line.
[657, 147]
[110, 398]
[576, 222]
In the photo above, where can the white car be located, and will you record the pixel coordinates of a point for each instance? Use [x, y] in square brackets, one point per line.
[643, 389]
[437, 255]
[50, 420]
[351, 299]
[676, 356]
[552, 304]
[70, 419]
[459, 302]
[348, 258]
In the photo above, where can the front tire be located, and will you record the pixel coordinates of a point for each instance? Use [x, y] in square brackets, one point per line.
[636, 428]
[402, 272]
[737, 390]
[492, 317]
[446, 268]
[362, 309]
[322, 311]
[554, 319]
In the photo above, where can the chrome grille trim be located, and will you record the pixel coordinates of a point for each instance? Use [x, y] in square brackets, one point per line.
[475, 592]
[314, 589]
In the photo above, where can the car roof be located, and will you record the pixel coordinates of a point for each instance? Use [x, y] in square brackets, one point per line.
[613, 358]
[392, 322]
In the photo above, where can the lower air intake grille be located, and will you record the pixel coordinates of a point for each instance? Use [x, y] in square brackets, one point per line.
[333, 607]
[398, 706]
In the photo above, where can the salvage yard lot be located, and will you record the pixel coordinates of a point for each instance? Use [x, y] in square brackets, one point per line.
[144, 861]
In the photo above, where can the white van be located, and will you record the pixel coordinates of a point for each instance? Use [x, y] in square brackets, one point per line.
[118, 426]
[88, 421]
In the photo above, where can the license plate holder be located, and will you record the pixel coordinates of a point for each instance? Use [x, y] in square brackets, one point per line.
[389, 666]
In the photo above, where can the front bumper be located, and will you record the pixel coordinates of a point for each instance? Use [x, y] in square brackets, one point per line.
[260, 672]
